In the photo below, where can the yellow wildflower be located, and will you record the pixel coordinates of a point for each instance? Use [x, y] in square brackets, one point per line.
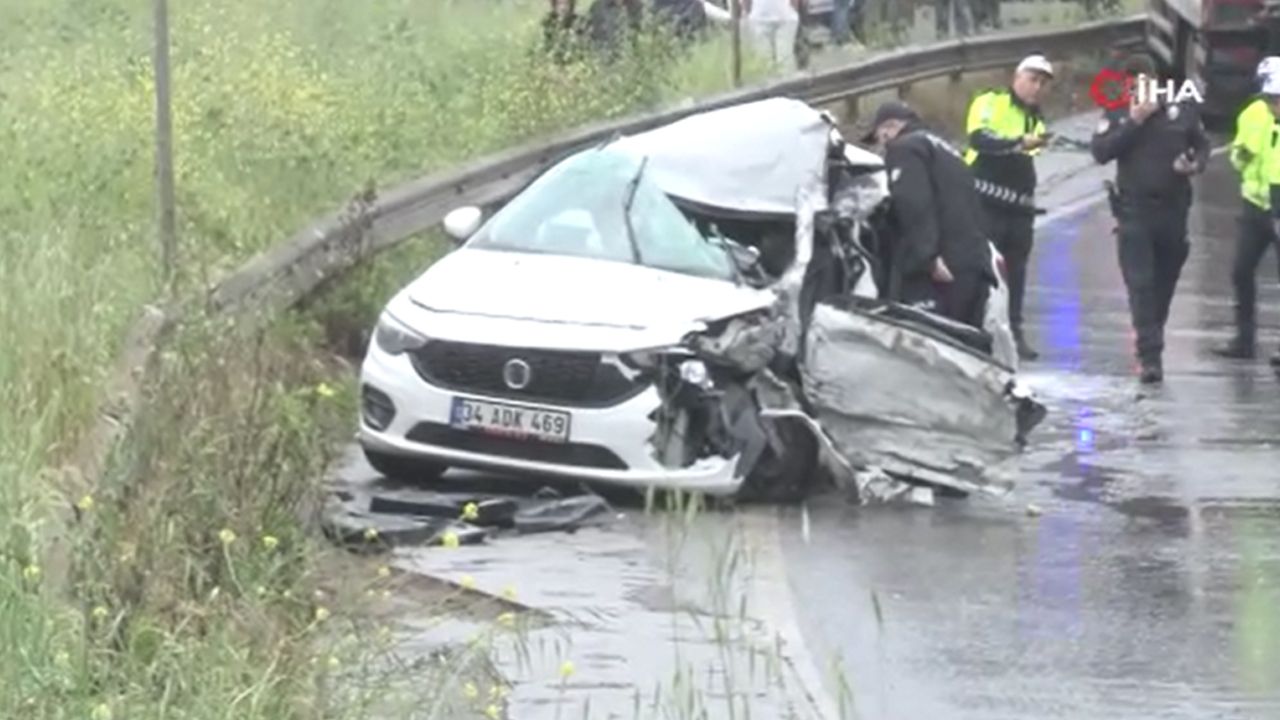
[322, 613]
[270, 542]
[386, 594]
[470, 512]
[85, 503]
[100, 613]
[468, 582]
[227, 536]
[31, 573]
[324, 391]
[450, 539]
[333, 663]
[384, 572]
[509, 592]
[470, 691]
[507, 618]
[370, 534]
[101, 712]
[566, 669]
[492, 712]
[497, 692]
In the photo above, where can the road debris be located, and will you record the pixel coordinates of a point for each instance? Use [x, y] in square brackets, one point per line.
[377, 516]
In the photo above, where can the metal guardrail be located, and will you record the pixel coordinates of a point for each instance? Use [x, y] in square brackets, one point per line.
[285, 274]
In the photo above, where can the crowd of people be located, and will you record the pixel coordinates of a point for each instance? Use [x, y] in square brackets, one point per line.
[950, 208]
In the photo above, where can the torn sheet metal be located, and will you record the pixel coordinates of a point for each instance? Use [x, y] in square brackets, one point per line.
[747, 343]
[911, 402]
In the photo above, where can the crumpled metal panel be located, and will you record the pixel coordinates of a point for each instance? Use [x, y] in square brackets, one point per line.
[747, 343]
[892, 397]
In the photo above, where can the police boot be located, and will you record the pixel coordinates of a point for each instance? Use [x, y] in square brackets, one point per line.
[1152, 371]
[1241, 347]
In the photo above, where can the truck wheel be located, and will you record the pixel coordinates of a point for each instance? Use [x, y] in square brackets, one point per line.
[404, 469]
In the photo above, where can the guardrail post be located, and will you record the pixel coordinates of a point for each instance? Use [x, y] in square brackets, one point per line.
[851, 109]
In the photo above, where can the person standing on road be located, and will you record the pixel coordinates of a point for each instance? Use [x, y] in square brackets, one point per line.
[774, 25]
[1006, 130]
[941, 259]
[1157, 147]
[1255, 128]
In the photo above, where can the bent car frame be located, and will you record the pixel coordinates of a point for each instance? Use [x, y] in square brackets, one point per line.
[644, 314]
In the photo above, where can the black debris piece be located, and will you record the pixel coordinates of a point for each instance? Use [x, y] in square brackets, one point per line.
[370, 532]
[566, 514]
[466, 533]
[490, 511]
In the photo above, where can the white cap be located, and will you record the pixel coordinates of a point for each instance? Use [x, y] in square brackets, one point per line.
[1036, 63]
[1271, 84]
[1268, 65]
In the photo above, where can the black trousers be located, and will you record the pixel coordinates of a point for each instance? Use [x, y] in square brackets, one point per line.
[1152, 249]
[964, 299]
[1256, 235]
[1013, 233]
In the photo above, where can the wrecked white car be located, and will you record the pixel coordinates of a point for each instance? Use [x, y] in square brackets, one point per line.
[695, 307]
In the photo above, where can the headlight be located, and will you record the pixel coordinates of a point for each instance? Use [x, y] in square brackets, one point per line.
[695, 373]
[394, 337]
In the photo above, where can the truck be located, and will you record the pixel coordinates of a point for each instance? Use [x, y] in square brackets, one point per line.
[1215, 43]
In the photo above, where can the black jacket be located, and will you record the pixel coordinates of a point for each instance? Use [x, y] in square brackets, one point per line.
[1145, 153]
[936, 209]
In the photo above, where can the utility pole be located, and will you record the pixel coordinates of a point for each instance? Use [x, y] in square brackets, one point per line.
[164, 149]
[735, 14]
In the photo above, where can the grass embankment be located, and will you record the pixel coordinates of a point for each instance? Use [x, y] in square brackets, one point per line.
[194, 584]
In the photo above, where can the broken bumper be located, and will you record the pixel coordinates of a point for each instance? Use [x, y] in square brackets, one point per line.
[605, 444]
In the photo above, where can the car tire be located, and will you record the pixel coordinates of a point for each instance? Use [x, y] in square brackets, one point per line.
[404, 469]
[786, 476]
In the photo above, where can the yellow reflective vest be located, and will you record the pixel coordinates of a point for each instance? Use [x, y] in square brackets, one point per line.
[995, 110]
[1253, 150]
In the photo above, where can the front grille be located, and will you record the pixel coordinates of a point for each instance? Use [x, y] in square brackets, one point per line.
[576, 454]
[555, 376]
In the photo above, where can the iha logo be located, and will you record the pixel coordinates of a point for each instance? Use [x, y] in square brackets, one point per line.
[1113, 90]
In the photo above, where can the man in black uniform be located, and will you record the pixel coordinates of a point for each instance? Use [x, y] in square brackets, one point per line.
[1157, 146]
[941, 258]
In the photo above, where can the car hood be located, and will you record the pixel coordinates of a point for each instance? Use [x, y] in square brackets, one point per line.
[577, 291]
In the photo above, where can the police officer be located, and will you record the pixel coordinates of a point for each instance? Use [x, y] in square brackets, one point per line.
[1006, 131]
[1157, 145]
[941, 258]
[1254, 127]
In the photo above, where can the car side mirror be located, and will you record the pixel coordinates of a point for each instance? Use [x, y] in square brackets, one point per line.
[461, 223]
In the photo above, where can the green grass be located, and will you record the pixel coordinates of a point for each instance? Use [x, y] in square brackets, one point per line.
[281, 112]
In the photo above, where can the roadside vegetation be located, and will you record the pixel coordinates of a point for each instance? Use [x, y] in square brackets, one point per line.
[197, 587]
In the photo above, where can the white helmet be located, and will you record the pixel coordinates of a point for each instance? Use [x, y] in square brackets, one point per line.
[1268, 66]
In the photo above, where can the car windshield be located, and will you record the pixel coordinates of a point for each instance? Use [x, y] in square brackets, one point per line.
[578, 208]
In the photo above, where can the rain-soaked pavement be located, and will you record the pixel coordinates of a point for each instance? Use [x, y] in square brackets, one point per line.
[1148, 587]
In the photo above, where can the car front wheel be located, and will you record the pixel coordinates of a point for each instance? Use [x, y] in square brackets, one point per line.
[404, 469]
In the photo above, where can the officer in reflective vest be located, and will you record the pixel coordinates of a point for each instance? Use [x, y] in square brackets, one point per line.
[1255, 132]
[1005, 131]
[1157, 145]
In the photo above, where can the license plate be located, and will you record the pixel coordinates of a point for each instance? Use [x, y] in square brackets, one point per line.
[519, 421]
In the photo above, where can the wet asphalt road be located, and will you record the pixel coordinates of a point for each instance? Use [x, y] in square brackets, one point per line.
[1149, 587]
